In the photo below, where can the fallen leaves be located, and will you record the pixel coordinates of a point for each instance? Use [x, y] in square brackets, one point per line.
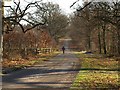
[96, 79]
[96, 73]
[29, 61]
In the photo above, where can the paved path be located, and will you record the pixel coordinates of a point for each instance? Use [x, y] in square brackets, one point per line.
[57, 73]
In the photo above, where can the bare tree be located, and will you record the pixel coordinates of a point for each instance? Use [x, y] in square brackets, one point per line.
[56, 21]
[103, 19]
[18, 14]
[112, 17]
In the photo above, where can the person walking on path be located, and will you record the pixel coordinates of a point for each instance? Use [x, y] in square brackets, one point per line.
[63, 49]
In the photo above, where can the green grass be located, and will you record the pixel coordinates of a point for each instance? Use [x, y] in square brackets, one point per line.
[98, 63]
[96, 73]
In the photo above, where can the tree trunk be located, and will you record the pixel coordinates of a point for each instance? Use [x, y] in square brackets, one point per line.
[1, 34]
[113, 47]
[118, 42]
[89, 42]
[104, 39]
[24, 53]
[99, 40]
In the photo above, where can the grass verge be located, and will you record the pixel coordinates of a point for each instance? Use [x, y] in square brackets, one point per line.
[97, 73]
[16, 64]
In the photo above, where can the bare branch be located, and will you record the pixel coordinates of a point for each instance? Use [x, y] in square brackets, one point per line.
[74, 3]
[33, 27]
[19, 14]
[84, 6]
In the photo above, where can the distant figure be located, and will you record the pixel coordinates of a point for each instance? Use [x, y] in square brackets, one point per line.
[63, 49]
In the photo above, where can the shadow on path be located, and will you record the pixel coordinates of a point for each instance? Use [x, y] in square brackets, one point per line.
[43, 72]
[57, 73]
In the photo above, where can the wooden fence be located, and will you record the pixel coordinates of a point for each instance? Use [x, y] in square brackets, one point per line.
[45, 50]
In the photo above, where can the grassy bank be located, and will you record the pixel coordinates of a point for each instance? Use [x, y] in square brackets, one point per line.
[29, 61]
[97, 73]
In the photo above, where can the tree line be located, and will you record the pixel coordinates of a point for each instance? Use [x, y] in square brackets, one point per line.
[42, 28]
[96, 27]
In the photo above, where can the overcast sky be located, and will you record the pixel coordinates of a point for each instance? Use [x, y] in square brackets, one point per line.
[64, 4]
